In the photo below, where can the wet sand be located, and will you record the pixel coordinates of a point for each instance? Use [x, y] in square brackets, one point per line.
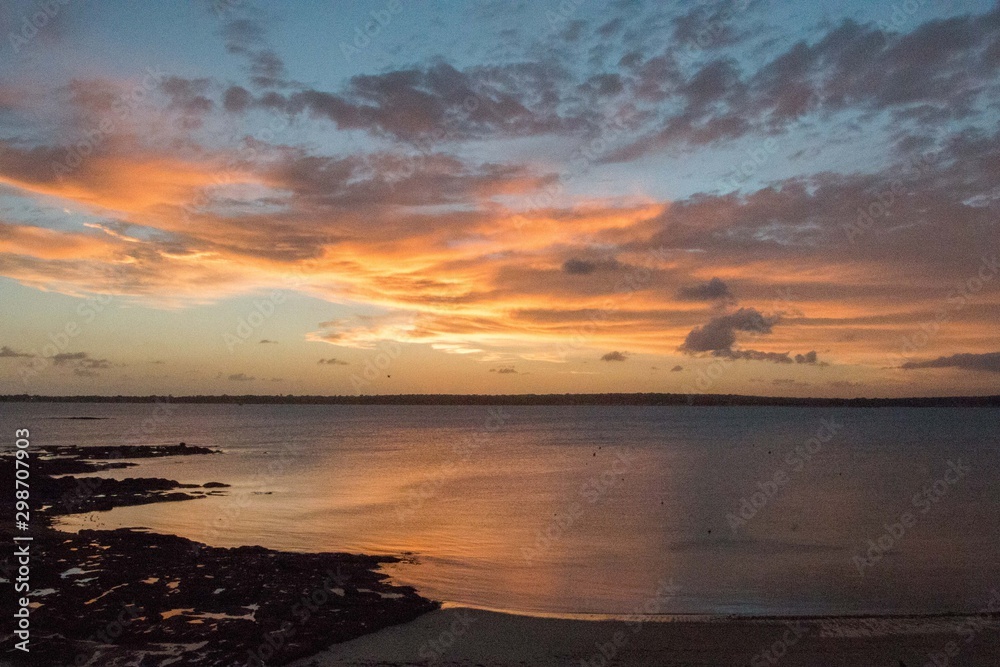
[454, 637]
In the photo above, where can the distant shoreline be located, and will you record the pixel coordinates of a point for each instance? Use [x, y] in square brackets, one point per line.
[701, 400]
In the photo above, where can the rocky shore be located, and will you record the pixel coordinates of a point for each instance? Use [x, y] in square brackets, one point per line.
[130, 597]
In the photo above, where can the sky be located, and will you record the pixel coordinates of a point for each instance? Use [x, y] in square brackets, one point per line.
[737, 196]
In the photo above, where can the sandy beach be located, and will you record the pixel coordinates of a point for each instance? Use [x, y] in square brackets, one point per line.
[462, 637]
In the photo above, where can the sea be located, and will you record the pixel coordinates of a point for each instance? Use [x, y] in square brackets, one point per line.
[579, 511]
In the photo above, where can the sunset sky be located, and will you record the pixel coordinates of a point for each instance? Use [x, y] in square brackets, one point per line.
[746, 196]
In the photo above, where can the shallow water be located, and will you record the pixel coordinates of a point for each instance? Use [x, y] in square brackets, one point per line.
[589, 510]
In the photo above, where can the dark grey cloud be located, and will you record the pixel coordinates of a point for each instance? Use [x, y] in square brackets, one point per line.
[333, 361]
[8, 353]
[365, 182]
[583, 267]
[807, 358]
[708, 25]
[573, 31]
[677, 369]
[606, 30]
[810, 358]
[754, 355]
[615, 356]
[603, 85]
[237, 99]
[67, 357]
[719, 336]
[437, 103]
[81, 362]
[247, 38]
[887, 219]
[788, 382]
[188, 96]
[241, 377]
[265, 341]
[714, 290]
[504, 370]
[988, 362]
[720, 333]
[940, 70]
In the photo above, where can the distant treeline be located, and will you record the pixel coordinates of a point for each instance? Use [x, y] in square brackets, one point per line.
[534, 399]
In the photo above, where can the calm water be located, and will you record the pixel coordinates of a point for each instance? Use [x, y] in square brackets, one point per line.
[564, 510]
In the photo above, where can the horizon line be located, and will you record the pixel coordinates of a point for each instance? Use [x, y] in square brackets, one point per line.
[590, 398]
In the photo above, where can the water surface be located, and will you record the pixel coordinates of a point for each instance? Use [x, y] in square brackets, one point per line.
[587, 510]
